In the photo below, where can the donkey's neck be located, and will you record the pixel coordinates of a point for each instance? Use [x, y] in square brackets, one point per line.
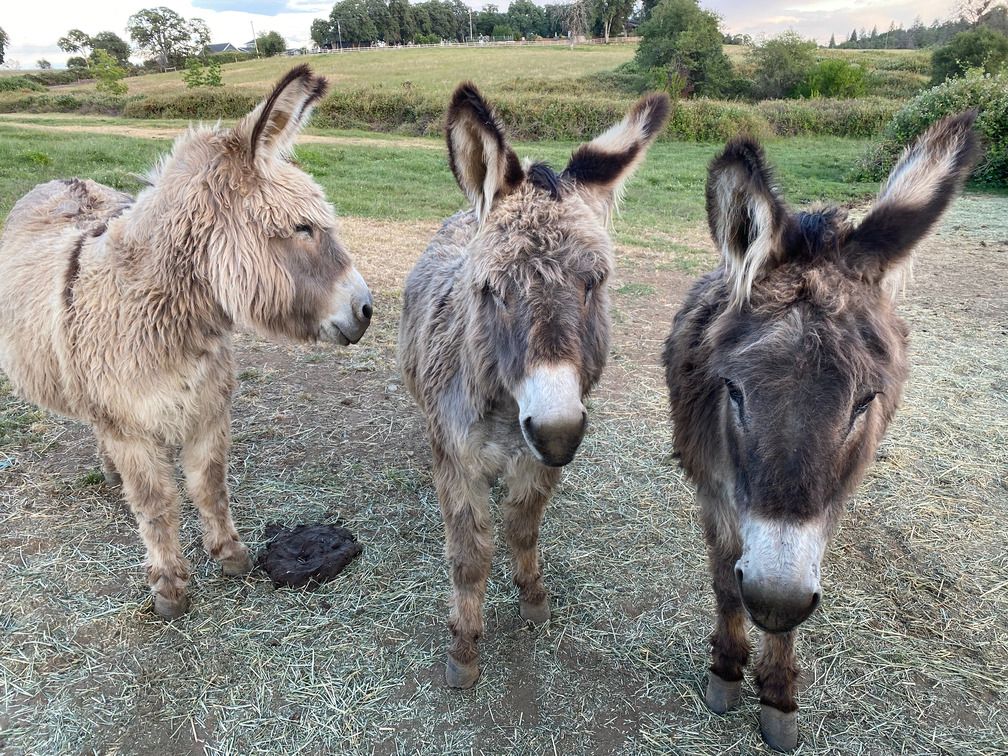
[164, 263]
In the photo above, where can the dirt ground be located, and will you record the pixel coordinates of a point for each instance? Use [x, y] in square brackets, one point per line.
[908, 654]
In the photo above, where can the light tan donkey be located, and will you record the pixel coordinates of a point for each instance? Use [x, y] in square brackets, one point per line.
[505, 330]
[119, 311]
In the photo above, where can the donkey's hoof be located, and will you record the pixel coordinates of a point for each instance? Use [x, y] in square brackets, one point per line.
[780, 729]
[459, 675]
[170, 609]
[537, 614]
[238, 563]
[722, 695]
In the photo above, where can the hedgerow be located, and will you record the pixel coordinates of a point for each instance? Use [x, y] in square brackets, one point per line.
[988, 93]
[548, 115]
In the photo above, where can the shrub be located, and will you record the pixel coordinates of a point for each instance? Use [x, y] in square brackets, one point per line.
[197, 104]
[988, 93]
[108, 73]
[834, 78]
[77, 62]
[50, 77]
[982, 47]
[781, 64]
[679, 41]
[271, 44]
[67, 102]
[863, 117]
[193, 74]
[212, 76]
[19, 84]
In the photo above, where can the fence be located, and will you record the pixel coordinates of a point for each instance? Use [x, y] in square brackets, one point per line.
[478, 42]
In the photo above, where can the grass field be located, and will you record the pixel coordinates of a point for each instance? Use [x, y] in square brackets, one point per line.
[408, 179]
[908, 654]
[431, 71]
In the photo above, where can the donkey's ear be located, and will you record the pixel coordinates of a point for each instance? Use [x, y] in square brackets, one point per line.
[930, 173]
[270, 129]
[484, 164]
[601, 166]
[746, 215]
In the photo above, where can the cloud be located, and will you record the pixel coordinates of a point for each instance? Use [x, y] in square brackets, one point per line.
[260, 7]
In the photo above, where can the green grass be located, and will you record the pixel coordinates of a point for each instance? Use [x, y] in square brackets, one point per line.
[432, 71]
[413, 183]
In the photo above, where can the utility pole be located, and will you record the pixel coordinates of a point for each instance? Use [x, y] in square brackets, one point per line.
[255, 42]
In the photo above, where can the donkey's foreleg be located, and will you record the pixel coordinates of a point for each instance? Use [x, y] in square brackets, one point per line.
[777, 679]
[109, 470]
[149, 486]
[530, 485]
[729, 641]
[464, 498]
[204, 461]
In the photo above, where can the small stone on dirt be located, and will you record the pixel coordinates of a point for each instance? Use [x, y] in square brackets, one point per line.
[306, 554]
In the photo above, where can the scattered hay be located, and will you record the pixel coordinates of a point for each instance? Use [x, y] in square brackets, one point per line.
[909, 653]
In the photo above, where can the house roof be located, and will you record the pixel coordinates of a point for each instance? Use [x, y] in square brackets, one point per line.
[219, 47]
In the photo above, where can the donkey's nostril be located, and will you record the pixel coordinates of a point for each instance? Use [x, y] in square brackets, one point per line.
[366, 311]
[738, 575]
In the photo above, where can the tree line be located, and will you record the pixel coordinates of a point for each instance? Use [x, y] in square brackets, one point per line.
[918, 35]
[399, 22]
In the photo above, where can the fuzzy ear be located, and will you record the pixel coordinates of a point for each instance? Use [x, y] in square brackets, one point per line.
[603, 165]
[270, 129]
[930, 173]
[747, 217]
[484, 165]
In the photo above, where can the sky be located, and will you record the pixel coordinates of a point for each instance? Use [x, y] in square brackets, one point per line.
[34, 27]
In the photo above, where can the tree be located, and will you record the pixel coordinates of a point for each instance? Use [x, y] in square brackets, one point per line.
[114, 45]
[401, 24]
[74, 41]
[853, 38]
[782, 64]
[832, 42]
[212, 76]
[108, 73]
[683, 42]
[528, 19]
[166, 37]
[43, 64]
[973, 11]
[613, 14]
[4, 39]
[322, 33]
[977, 48]
[270, 44]
[77, 62]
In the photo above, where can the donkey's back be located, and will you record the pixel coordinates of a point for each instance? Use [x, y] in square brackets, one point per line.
[41, 246]
[427, 302]
[54, 208]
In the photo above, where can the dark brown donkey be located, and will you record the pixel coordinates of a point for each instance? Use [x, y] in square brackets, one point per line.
[505, 330]
[784, 368]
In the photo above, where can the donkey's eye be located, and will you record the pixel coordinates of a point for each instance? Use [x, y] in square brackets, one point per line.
[589, 288]
[305, 229]
[862, 406]
[735, 394]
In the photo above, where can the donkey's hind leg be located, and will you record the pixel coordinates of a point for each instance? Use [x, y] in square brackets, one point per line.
[464, 497]
[729, 641]
[149, 486]
[530, 485]
[204, 462]
[112, 476]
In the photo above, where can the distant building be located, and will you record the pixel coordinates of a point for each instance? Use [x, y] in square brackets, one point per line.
[222, 47]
